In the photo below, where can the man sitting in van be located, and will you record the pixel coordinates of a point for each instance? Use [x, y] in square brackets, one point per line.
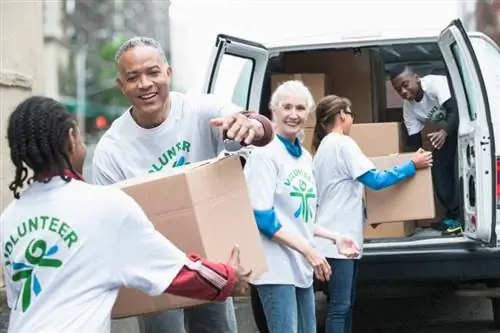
[427, 100]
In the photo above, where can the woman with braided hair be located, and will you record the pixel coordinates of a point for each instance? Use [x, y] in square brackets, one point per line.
[68, 246]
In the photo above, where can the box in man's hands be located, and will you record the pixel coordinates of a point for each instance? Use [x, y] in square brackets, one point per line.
[202, 208]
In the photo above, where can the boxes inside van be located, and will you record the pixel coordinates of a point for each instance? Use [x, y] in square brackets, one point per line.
[361, 75]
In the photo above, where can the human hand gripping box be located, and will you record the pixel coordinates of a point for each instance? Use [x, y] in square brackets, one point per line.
[203, 208]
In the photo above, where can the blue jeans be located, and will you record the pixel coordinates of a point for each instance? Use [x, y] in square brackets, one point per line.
[206, 318]
[342, 290]
[288, 308]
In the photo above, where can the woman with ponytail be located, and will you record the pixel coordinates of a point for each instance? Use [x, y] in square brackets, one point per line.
[341, 171]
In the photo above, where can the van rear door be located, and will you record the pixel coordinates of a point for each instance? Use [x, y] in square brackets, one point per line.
[237, 71]
[476, 143]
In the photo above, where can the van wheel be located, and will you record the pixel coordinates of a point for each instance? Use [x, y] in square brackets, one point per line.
[495, 304]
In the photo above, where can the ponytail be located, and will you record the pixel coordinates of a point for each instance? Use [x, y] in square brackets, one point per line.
[326, 110]
[318, 135]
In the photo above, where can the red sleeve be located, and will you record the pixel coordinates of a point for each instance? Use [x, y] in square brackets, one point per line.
[203, 279]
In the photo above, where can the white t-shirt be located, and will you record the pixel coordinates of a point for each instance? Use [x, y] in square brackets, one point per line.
[127, 150]
[430, 108]
[67, 248]
[278, 180]
[337, 164]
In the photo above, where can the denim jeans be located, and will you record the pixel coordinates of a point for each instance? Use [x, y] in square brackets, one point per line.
[206, 318]
[342, 292]
[288, 308]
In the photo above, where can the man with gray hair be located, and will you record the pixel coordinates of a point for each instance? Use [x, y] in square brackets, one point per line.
[165, 129]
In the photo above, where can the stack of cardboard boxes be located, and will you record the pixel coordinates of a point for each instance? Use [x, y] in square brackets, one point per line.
[391, 212]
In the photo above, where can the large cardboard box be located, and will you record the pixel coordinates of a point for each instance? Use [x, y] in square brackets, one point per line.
[315, 82]
[389, 230]
[203, 208]
[378, 139]
[409, 200]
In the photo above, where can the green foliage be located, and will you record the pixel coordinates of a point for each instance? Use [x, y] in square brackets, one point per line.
[102, 72]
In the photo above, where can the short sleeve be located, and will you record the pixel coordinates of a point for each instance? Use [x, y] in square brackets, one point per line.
[355, 160]
[142, 257]
[104, 171]
[261, 176]
[439, 88]
[412, 124]
[3, 268]
[213, 106]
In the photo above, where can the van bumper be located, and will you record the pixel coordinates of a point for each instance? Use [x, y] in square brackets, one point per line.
[455, 265]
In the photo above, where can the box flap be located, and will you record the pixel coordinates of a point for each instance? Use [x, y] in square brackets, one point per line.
[146, 178]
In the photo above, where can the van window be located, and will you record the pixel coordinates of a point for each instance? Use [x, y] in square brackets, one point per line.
[234, 79]
[466, 82]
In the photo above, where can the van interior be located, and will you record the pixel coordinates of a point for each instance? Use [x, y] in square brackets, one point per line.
[362, 75]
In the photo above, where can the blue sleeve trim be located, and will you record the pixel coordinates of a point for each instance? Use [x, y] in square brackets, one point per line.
[378, 180]
[267, 223]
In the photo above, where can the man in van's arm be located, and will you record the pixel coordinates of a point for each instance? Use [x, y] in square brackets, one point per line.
[428, 100]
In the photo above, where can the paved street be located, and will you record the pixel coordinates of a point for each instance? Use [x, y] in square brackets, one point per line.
[445, 314]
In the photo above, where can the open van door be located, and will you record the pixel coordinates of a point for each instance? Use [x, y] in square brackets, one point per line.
[476, 143]
[237, 71]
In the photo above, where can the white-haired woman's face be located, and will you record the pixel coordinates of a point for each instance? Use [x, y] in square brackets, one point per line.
[290, 116]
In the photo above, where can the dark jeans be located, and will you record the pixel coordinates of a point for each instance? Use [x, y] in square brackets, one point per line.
[445, 177]
[342, 294]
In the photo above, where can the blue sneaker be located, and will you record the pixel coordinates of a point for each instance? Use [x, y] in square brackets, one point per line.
[453, 227]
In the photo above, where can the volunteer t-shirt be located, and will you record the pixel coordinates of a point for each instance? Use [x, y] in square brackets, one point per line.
[66, 249]
[430, 108]
[337, 164]
[127, 150]
[278, 180]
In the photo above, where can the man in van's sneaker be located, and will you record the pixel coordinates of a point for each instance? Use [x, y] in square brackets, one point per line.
[164, 129]
[428, 99]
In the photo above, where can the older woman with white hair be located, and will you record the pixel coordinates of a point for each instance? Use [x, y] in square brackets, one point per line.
[283, 194]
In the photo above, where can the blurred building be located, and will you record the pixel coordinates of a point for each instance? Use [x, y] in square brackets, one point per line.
[484, 16]
[81, 37]
[21, 74]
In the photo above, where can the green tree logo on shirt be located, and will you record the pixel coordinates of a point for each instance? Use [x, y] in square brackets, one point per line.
[37, 256]
[304, 193]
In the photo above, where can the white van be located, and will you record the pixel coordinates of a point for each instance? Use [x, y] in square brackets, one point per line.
[240, 70]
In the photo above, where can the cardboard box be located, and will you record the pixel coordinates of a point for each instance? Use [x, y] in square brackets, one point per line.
[440, 213]
[203, 208]
[409, 200]
[349, 74]
[389, 230]
[315, 83]
[378, 139]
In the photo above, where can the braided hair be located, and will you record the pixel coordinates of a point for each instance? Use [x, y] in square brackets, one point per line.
[37, 134]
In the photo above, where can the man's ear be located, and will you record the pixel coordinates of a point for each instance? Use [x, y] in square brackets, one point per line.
[119, 83]
[169, 71]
